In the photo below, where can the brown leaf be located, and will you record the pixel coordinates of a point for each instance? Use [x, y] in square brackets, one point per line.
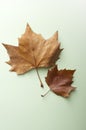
[60, 81]
[33, 51]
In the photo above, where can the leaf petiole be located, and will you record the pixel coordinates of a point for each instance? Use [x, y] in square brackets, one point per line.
[43, 95]
[39, 78]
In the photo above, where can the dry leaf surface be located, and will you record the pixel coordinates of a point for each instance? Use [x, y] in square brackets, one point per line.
[60, 81]
[33, 51]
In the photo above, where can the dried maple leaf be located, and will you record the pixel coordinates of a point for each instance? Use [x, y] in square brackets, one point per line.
[60, 81]
[33, 52]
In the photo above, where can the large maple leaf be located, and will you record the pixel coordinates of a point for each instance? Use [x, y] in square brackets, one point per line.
[59, 81]
[33, 51]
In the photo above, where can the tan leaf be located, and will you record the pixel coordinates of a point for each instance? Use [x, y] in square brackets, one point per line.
[33, 51]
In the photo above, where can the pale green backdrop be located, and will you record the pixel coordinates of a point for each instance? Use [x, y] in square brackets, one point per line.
[21, 106]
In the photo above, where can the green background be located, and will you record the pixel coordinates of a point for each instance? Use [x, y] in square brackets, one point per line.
[21, 106]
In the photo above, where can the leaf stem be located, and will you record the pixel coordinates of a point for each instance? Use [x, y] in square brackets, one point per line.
[39, 78]
[43, 95]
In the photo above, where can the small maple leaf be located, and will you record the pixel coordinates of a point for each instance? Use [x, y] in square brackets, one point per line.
[33, 51]
[60, 81]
